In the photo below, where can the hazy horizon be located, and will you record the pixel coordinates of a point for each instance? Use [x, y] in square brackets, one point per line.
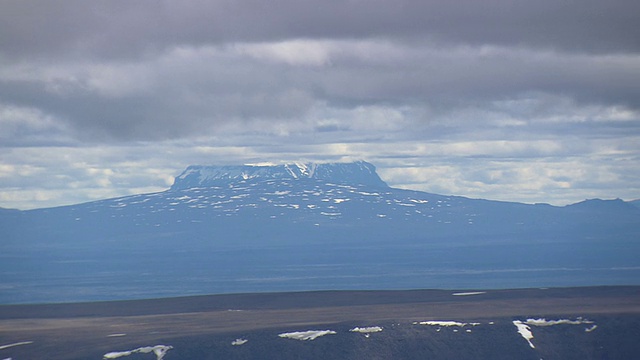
[168, 188]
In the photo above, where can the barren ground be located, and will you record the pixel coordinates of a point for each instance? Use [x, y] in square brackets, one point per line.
[89, 330]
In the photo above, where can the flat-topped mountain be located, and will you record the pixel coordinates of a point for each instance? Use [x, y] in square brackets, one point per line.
[357, 173]
[223, 229]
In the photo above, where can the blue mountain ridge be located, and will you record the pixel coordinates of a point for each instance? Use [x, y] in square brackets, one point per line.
[225, 229]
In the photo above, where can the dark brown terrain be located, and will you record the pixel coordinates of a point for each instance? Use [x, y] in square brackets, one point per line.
[204, 327]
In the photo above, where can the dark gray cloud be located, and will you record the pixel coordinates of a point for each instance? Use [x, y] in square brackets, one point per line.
[156, 70]
[199, 90]
[123, 28]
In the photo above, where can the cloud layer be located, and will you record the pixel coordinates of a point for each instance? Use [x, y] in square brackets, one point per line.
[513, 100]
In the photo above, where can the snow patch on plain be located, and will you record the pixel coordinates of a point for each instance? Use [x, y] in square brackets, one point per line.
[469, 293]
[238, 342]
[590, 329]
[545, 322]
[525, 331]
[159, 350]
[366, 330]
[306, 335]
[15, 344]
[445, 323]
[524, 328]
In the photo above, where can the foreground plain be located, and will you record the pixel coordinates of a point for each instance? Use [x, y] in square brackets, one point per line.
[591, 323]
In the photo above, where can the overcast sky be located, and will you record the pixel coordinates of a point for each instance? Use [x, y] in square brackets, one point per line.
[531, 101]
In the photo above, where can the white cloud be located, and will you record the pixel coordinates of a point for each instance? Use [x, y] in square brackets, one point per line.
[25, 125]
[291, 52]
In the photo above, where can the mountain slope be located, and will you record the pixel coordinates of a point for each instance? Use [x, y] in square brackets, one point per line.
[302, 227]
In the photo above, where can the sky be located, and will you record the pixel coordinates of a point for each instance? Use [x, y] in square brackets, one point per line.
[529, 101]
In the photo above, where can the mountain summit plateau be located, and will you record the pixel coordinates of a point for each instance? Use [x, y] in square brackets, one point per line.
[357, 173]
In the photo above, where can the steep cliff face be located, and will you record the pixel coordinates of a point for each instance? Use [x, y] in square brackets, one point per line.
[356, 173]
